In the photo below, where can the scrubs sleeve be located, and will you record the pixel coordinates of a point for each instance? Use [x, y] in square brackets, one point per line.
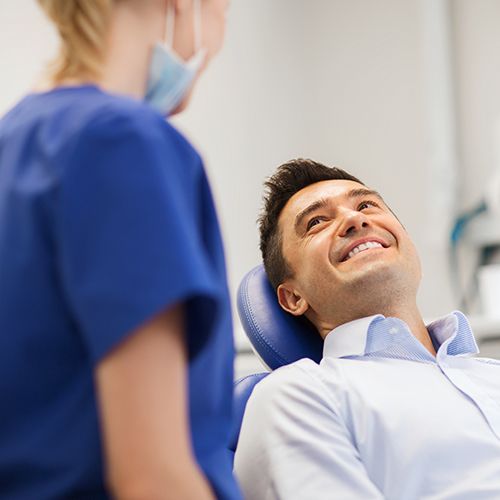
[129, 235]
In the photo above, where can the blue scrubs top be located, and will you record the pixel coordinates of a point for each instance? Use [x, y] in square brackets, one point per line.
[106, 218]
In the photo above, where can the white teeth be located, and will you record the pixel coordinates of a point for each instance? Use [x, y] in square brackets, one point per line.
[363, 246]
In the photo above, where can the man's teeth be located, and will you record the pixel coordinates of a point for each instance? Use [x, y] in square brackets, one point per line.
[363, 246]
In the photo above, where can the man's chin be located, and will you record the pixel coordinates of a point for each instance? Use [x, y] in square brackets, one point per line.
[373, 274]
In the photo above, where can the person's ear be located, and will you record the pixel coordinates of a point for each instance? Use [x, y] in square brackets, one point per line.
[291, 300]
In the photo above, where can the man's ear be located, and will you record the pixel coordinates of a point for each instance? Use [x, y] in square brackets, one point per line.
[291, 300]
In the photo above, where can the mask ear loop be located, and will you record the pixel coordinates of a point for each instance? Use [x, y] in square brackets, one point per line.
[169, 25]
[197, 25]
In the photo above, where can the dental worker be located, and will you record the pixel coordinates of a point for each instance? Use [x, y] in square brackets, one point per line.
[116, 346]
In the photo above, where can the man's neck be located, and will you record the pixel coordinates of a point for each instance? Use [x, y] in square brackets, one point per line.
[417, 327]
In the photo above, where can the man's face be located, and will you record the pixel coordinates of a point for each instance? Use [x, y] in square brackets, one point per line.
[348, 253]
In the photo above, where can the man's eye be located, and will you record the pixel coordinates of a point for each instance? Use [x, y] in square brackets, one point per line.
[367, 204]
[313, 222]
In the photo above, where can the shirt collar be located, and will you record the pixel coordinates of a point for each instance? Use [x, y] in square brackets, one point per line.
[350, 338]
[451, 333]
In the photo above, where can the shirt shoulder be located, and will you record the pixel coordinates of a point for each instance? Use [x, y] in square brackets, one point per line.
[301, 381]
[488, 361]
[297, 372]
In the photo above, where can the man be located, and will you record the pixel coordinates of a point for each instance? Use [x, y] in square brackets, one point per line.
[396, 409]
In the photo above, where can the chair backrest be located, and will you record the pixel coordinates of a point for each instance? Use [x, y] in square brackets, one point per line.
[277, 337]
[242, 390]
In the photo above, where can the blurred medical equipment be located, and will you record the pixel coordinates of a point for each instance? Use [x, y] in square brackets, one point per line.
[477, 231]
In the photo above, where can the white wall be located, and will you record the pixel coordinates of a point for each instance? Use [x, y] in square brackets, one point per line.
[345, 83]
[251, 114]
[27, 41]
[477, 42]
[361, 84]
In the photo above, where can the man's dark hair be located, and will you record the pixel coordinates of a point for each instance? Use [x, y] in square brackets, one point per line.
[288, 179]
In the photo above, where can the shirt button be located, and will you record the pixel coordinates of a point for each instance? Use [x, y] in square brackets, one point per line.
[393, 330]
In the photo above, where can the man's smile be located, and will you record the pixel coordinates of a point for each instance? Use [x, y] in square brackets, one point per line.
[363, 245]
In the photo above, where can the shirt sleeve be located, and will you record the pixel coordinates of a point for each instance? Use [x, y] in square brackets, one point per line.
[294, 445]
[129, 243]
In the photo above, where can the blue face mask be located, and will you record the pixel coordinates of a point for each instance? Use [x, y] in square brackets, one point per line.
[171, 78]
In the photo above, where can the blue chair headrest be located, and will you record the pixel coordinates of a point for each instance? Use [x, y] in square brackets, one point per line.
[278, 337]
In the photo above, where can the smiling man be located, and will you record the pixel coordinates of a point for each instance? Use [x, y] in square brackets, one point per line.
[396, 409]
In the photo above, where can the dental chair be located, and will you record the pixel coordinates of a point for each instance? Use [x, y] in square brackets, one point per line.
[277, 338]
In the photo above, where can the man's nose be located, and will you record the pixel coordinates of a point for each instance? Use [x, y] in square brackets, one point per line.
[352, 222]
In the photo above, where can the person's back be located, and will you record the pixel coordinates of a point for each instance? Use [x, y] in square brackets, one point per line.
[115, 331]
[65, 281]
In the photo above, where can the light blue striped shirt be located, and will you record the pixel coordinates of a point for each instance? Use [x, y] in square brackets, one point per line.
[379, 417]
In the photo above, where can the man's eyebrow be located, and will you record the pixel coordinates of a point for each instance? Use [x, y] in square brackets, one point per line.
[358, 192]
[324, 202]
[321, 203]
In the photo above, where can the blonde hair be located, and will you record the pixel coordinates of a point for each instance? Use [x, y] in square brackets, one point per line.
[82, 27]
